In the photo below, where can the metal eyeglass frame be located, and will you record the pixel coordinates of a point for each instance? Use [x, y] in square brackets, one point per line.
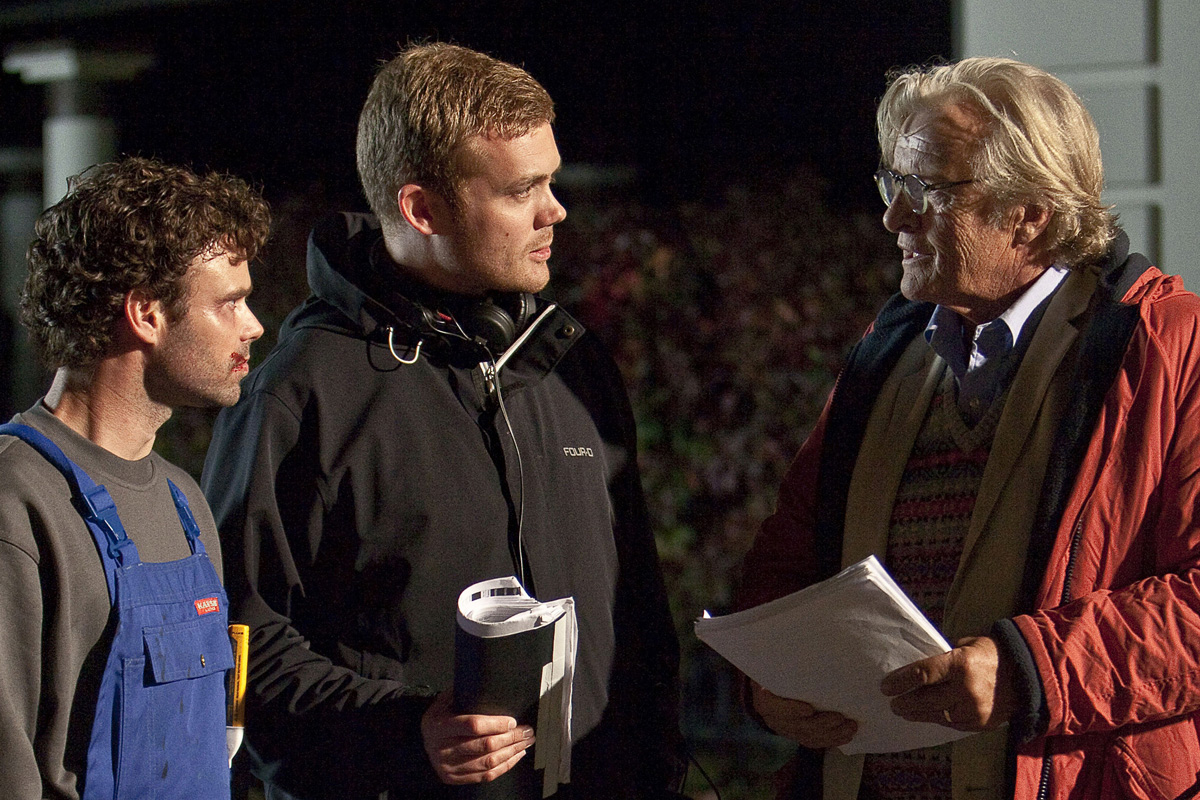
[890, 182]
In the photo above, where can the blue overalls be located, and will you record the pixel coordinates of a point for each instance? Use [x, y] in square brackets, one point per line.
[159, 730]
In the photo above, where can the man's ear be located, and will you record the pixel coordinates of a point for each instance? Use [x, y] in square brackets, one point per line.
[423, 209]
[145, 316]
[1032, 222]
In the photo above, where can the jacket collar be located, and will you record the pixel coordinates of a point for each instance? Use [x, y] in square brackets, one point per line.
[872, 360]
[342, 275]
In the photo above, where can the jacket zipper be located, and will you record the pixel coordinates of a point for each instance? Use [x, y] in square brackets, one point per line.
[491, 368]
[1072, 554]
[1076, 540]
[489, 377]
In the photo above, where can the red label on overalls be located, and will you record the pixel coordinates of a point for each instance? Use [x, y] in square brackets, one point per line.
[207, 606]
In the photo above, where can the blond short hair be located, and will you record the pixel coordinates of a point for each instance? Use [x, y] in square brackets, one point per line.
[1040, 144]
[424, 105]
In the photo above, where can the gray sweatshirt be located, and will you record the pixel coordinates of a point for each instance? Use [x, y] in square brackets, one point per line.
[54, 605]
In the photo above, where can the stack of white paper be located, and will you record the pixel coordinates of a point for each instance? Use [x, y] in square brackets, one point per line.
[830, 645]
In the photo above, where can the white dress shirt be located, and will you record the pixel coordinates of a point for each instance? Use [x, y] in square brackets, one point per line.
[983, 373]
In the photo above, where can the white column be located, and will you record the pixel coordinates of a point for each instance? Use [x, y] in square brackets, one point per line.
[72, 143]
[77, 133]
[1136, 65]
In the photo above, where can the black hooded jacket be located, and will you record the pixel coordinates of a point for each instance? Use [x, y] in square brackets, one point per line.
[358, 495]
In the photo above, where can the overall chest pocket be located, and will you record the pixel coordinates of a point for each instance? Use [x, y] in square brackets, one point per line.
[190, 649]
[172, 737]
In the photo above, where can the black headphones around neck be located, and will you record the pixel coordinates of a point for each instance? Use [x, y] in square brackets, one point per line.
[493, 321]
[486, 326]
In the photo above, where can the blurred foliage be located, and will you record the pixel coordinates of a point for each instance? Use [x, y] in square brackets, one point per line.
[729, 322]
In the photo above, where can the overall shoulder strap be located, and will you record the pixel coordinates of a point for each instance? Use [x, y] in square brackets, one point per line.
[190, 528]
[92, 501]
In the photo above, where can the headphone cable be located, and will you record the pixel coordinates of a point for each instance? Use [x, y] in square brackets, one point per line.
[391, 347]
[520, 471]
[494, 366]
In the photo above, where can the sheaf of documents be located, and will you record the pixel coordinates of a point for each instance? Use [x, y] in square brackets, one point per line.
[830, 644]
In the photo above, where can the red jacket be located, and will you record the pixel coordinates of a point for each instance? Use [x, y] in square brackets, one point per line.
[1119, 659]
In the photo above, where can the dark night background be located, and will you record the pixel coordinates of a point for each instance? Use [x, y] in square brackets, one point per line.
[692, 95]
[730, 255]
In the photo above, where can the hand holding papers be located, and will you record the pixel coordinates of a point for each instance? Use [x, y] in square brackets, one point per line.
[830, 645]
[515, 656]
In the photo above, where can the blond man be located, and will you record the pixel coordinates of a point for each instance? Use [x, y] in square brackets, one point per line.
[428, 421]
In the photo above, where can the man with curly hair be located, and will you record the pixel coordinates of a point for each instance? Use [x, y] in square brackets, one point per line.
[113, 640]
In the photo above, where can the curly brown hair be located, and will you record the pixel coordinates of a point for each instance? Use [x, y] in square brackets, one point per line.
[136, 223]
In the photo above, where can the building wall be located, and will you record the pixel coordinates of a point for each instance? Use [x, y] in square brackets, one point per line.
[1136, 65]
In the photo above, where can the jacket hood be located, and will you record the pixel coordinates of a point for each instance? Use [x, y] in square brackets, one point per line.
[353, 293]
[1120, 271]
[339, 273]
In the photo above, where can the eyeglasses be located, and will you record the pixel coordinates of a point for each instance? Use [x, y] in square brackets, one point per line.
[890, 183]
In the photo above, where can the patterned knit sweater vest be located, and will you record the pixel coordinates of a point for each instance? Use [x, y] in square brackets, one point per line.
[925, 541]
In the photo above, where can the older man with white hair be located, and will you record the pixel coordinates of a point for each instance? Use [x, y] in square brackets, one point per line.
[1018, 438]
